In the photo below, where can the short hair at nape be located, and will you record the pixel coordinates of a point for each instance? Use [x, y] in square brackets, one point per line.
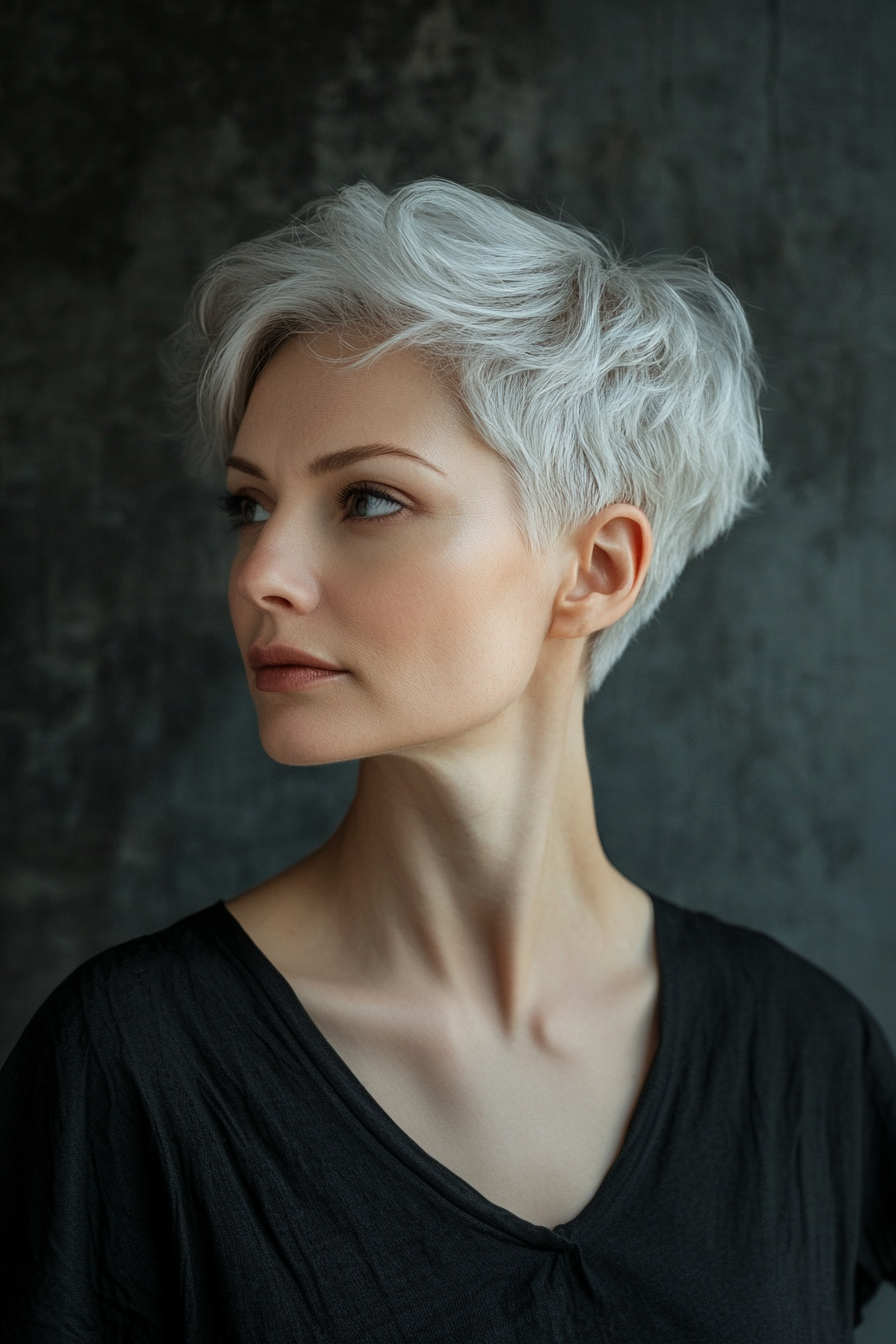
[599, 380]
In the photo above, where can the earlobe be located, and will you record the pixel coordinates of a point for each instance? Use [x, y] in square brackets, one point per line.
[609, 560]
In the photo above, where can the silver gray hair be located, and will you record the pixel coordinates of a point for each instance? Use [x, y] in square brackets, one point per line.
[599, 380]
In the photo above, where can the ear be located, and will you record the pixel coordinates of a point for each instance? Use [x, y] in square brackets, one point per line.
[608, 561]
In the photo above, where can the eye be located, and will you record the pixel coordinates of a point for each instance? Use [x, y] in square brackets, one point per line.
[361, 501]
[242, 510]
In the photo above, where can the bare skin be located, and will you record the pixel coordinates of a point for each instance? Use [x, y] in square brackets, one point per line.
[462, 941]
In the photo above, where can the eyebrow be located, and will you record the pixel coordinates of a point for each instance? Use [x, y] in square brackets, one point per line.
[346, 457]
[241, 464]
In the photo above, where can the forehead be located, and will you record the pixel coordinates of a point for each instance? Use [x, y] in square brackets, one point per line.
[311, 397]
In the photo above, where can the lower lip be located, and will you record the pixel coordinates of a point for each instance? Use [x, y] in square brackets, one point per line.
[292, 677]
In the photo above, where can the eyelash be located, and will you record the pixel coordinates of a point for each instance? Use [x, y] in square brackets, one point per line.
[361, 488]
[237, 506]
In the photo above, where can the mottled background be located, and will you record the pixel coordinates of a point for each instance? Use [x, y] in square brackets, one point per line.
[743, 751]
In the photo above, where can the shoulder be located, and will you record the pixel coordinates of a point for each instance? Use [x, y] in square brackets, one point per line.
[96, 1110]
[742, 982]
[757, 1031]
[124, 1000]
[746, 961]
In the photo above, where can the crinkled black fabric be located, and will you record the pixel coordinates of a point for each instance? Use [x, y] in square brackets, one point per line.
[185, 1158]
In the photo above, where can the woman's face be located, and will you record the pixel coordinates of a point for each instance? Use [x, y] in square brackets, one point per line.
[378, 538]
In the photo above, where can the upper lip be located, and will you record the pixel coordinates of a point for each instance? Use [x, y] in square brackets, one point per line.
[283, 655]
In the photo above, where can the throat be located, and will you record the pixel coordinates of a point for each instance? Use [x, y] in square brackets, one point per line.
[475, 883]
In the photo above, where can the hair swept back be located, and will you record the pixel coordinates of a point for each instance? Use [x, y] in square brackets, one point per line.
[599, 380]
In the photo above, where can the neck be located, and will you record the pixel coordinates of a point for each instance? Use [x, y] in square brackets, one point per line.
[478, 862]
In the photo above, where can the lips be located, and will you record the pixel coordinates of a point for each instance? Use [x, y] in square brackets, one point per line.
[279, 667]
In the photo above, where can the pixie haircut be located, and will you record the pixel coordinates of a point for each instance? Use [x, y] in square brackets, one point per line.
[598, 380]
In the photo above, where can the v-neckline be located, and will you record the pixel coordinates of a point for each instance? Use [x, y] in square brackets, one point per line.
[379, 1126]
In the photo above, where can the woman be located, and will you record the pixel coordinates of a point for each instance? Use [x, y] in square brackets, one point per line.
[453, 1077]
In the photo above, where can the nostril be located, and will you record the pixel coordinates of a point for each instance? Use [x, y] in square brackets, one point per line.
[278, 601]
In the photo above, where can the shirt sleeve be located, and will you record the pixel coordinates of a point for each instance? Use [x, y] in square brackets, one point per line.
[82, 1232]
[877, 1251]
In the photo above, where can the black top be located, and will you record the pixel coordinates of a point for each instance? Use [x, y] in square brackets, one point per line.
[185, 1157]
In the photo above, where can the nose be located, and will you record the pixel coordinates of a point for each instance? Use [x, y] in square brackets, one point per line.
[273, 571]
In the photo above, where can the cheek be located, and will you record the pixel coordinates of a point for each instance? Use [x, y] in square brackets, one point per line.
[463, 629]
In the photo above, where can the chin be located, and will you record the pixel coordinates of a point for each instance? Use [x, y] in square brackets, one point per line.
[301, 745]
[325, 744]
[298, 731]
[301, 738]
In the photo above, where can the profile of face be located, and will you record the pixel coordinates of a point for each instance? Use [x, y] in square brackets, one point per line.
[383, 594]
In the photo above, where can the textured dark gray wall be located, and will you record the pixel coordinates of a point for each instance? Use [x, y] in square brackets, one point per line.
[743, 750]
